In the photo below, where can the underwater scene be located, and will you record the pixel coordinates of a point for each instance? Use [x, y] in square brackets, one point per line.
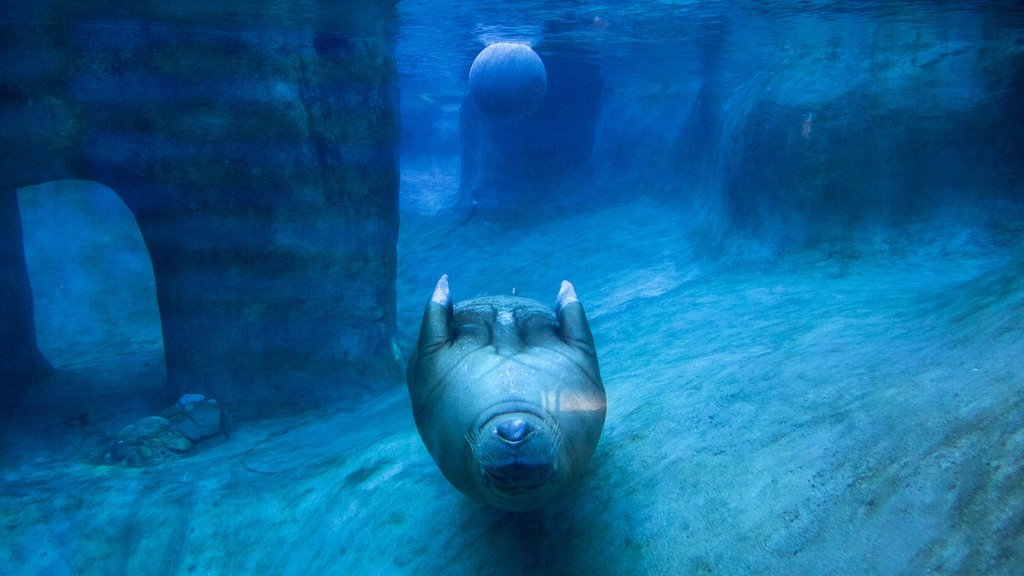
[379, 287]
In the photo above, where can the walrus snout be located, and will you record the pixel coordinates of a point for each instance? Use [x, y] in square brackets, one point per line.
[516, 451]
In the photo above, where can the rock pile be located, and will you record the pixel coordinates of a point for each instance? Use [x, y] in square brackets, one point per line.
[173, 434]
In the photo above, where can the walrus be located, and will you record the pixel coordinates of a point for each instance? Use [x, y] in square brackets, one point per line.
[507, 394]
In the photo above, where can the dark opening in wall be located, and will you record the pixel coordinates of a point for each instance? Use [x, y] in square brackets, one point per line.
[94, 295]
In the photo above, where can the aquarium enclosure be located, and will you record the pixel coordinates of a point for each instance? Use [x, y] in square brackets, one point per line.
[488, 287]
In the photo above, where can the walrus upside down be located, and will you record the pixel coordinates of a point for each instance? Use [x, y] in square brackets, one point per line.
[507, 394]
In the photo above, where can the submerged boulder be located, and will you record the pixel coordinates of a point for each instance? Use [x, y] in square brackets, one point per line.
[195, 416]
[154, 440]
[148, 442]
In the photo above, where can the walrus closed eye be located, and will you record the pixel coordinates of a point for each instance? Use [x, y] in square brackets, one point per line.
[507, 394]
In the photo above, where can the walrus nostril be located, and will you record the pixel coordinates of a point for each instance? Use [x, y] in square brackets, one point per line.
[513, 430]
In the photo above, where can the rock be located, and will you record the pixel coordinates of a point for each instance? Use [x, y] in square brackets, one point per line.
[195, 419]
[187, 399]
[200, 420]
[154, 440]
[148, 442]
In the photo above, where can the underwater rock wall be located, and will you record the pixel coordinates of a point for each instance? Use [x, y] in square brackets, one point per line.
[781, 125]
[258, 150]
[876, 123]
[804, 132]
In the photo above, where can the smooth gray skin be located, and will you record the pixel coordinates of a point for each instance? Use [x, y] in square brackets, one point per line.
[518, 379]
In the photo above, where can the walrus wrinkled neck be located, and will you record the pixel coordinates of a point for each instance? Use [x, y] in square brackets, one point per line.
[516, 437]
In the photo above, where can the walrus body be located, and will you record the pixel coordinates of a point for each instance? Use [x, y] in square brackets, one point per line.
[507, 394]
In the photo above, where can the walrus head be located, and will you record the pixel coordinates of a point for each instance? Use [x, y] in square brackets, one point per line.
[507, 394]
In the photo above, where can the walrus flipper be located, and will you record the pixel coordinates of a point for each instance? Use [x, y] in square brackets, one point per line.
[437, 319]
[572, 320]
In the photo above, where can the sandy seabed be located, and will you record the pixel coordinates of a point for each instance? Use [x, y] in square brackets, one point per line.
[854, 410]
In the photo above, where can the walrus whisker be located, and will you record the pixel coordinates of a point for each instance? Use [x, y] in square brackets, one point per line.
[489, 452]
[556, 438]
[486, 453]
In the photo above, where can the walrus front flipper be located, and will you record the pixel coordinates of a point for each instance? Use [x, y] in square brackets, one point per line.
[572, 320]
[436, 330]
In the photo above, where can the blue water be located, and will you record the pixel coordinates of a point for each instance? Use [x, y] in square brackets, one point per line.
[797, 229]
